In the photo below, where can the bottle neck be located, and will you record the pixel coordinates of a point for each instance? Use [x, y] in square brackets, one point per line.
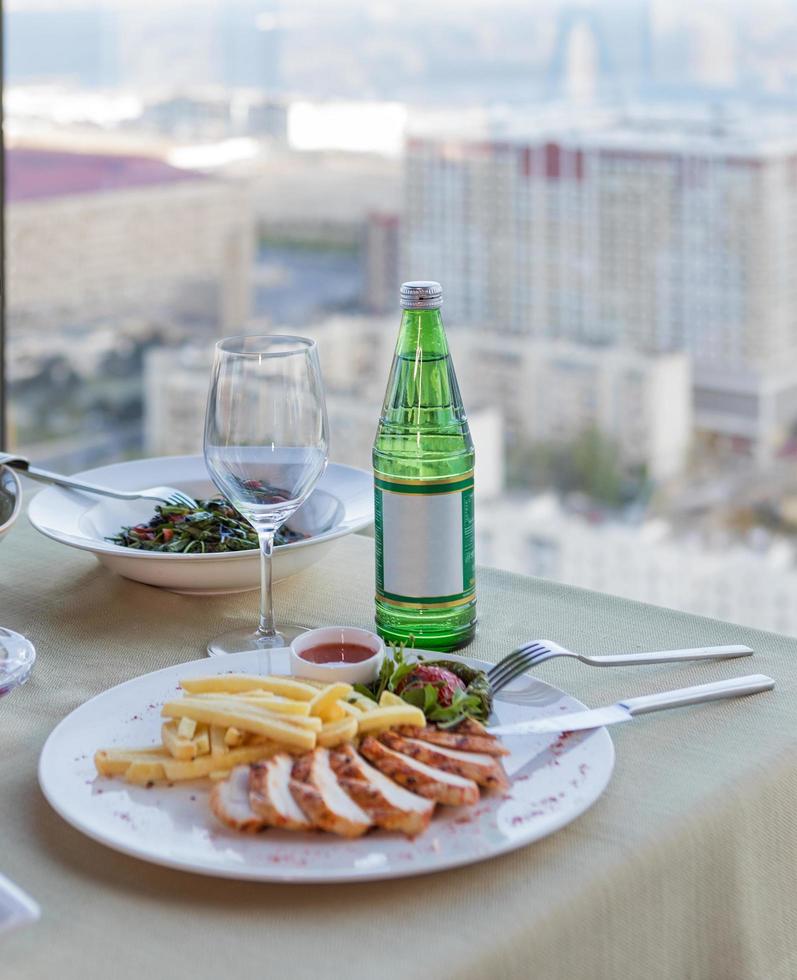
[422, 334]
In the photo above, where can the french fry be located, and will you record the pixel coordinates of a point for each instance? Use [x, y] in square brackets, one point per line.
[216, 705]
[337, 732]
[177, 771]
[218, 745]
[218, 774]
[186, 728]
[233, 737]
[142, 773]
[278, 706]
[380, 719]
[202, 738]
[237, 683]
[364, 703]
[335, 712]
[389, 699]
[258, 697]
[246, 718]
[177, 747]
[115, 762]
[324, 700]
[351, 708]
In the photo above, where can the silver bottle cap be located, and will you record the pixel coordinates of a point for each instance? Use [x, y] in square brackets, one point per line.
[421, 295]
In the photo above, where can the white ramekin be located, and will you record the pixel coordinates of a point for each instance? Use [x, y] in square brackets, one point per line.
[361, 673]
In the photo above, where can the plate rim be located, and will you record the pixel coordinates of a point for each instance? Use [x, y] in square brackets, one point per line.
[271, 876]
[99, 547]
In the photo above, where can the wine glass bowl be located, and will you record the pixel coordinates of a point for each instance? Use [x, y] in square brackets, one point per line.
[266, 447]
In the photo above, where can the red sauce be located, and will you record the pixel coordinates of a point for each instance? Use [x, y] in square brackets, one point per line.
[337, 653]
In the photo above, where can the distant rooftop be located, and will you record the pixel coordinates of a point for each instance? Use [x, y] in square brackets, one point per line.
[32, 174]
[661, 129]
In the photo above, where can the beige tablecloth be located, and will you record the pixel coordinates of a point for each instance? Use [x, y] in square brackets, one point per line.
[686, 867]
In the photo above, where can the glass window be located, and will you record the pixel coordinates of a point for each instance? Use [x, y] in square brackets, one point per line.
[606, 191]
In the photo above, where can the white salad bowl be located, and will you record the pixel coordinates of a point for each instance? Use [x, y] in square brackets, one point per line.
[10, 499]
[341, 503]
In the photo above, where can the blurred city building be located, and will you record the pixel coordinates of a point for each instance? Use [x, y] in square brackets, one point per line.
[553, 391]
[381, 262]
[98, 236]
[752, 582]
[607, 229]
[119, 253]
[216, 115]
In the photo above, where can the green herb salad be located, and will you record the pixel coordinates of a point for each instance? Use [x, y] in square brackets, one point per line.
[212, 527]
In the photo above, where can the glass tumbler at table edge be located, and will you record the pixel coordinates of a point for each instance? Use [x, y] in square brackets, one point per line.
[266, 447]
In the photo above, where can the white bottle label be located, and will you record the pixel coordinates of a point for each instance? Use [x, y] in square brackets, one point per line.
[424, 541]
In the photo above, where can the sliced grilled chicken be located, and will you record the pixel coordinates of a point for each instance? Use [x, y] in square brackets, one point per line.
[387, 804]
[434, 784]
[301, 767]
[323, 801]
[455, 739]
[270, 795]
[483, 769]
[229, 800]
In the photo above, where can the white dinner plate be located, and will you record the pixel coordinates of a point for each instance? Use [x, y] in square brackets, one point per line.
[553, 781]
[341, 503]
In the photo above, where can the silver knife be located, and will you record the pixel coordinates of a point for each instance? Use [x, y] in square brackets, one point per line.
[631, 707]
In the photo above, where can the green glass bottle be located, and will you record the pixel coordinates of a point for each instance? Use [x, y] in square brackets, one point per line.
[423, 488]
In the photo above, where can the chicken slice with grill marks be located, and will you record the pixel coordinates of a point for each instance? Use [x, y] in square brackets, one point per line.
[434, 784]
[386, 803]
[483, 769]
[322, 799]
[270, 795]
[453, 738]
[229, 801]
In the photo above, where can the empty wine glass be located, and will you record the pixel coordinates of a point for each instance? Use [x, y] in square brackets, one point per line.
[266, 446]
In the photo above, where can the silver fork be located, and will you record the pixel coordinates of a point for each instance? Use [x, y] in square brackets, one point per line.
[167, 495]
[536, 652]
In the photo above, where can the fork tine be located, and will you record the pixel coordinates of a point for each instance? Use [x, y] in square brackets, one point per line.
[178, 498]
[513, 664]
[520, 667]
[518, 653]
[508, 663]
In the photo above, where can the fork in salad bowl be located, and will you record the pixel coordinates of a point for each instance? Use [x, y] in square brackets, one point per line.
[536, 652]
[167, 495]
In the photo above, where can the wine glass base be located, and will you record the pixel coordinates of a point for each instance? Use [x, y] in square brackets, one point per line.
[17, 657]
[240, 641]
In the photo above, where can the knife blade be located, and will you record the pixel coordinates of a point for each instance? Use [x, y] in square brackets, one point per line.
[629, 708]
[574, 721]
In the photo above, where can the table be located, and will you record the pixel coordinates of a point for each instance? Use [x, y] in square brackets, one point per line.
[686, 867]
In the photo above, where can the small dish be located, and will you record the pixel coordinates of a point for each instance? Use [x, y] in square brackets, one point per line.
[337, 639]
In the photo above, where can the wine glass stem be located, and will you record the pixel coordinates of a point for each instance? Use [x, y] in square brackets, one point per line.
[266, 627]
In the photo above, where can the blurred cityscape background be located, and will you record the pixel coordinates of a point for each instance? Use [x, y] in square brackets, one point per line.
[606, 190]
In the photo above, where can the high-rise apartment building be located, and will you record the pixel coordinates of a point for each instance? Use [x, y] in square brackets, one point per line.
[655, 235]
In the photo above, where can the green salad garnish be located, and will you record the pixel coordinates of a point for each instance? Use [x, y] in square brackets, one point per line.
[212, 526]
[447, 691]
